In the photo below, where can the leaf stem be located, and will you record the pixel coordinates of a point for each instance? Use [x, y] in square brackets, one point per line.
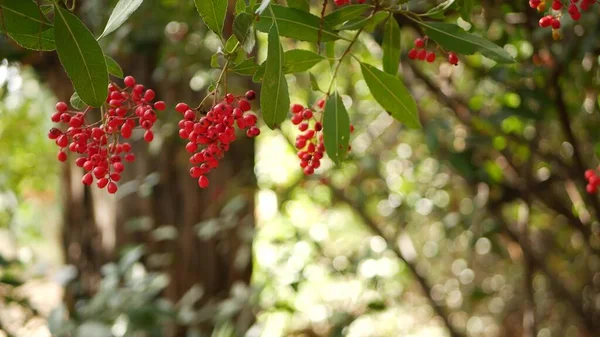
[222, 78]
[337, 68]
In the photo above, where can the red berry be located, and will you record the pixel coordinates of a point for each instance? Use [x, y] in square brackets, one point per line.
[430, 57]
[296, 119]
[250, 95]
[102, 182]
[412, 54]
[112, 188]
[296, 108]
[129, 81]
[591, 189]
[203, 182]
[307, 114]
[182, 108]
[87, 179]
[452, 58]
[244, 105]
[61, 156]
[62, 106]
[419, 43]
[160, 106]
[422, 54]
[148, 136]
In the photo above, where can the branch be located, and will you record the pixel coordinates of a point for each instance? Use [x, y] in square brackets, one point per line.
[423, 283]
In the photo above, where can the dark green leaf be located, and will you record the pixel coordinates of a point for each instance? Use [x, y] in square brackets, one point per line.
[378, 18]
[439, 9]
[76, 102]
[300, 4]
[389, 91]
[120, 14]
[113, 67]
[213, 14]
[23, 22]
[300, 60]
[454, 38]
[274, 95]
[391, 46]
[246, 67]
[243, 30]
[81, 56]
[345, 13]
[336, 129]
[296, 24]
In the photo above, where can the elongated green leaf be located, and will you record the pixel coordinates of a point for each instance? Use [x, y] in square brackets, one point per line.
[213, 14]
[243, 30]
[300, 60]
[343, 14]
[300, 4]
[296, 24]
[81, 56]
[296, 61]
[263, 5]
[119, 15]
[246, 67]
[454, 38]
[76, 102]
[466, 7]
[358, 23]
[23, 22]
[113, 67]
[274, 95]
[336, 129]
[389, 91]
[391, 46]
[439, 9]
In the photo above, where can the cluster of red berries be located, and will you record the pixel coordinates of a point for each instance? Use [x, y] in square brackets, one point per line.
[209, 136]
[309, 143]
[99, 144]
[346, 2]
[593, 181]
[553, 20]
[419, 52]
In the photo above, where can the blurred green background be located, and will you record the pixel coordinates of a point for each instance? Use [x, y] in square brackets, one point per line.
[477, 225]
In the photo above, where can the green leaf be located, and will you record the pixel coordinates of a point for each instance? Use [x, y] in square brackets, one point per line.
[466, 7]
[243, 30]
[300, 60]
[274, 95]
[296, 61]
[24, 23]
[240, 6]
[439, 9]
[358, 23]
[246, 67]
[263, 6]
[454, 38]
[299, 4]
[214, 60]
[391, 46]
[314, 83]
[113, 67]
[343, 14]
[119, 15]
[76, 102]
[213, 14]
[296, 24]
[81, 56]
[378, 18]
[389, 91]
[336, 129]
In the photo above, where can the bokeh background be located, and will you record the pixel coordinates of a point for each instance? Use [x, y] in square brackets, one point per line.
[477, 225]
